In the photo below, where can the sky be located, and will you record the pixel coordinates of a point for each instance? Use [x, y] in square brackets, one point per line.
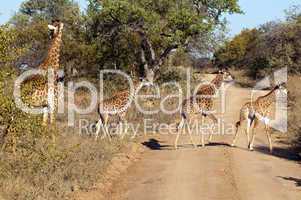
[257, 12]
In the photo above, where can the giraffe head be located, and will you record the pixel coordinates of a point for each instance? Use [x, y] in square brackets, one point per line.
[281, 88]
[225, 75]
[143, 81]
[59, 76]
[56, 27]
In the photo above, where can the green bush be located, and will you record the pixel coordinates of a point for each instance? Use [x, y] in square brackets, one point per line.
[272, 46]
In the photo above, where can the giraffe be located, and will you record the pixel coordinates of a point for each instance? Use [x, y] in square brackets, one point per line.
[210, 90]
[40, 95]
[253, 112]
[52, 59]
[201, 103]
[117, 105]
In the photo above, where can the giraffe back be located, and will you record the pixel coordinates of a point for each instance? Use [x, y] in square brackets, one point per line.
[116, 103]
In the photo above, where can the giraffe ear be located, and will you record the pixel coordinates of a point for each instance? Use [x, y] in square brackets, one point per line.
[61, 26]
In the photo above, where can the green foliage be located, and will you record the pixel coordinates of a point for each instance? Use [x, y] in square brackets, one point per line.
[108, 34]
[22, 128]
[8, 48]
[274, 45]
[30, 25]
[234, 51]
[121, 28]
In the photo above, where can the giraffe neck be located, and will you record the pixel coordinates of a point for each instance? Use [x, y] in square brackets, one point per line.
[217, 81]
[133, 95]
[269, 98]
[52, 59]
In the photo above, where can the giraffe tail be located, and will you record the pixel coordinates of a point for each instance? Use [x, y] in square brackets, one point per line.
[237, 125]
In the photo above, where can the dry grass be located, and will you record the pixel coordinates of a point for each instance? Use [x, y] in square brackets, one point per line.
[75, 163]
[294, 85]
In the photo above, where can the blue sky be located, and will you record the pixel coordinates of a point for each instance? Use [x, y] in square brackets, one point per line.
[256, 12]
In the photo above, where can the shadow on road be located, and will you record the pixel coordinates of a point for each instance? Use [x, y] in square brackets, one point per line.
[215, 144]
[284, 153]
[296, 180]
[154, 144]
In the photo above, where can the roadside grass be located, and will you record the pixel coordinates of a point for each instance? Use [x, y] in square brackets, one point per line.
[47, 163]
[294, 114]
[54, 163]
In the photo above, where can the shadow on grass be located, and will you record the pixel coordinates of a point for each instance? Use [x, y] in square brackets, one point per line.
[296, 180]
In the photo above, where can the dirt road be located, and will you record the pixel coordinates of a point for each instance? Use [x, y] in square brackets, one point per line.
[217, 172]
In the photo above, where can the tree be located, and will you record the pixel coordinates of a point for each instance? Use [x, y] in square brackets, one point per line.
[234, 52]
[8, 49]
[30, 24]
[272, 46]
[149, 30]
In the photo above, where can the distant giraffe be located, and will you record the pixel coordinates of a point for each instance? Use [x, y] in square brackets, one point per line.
[252, 112]
[201, 104]
[39, 96]
[116, 106]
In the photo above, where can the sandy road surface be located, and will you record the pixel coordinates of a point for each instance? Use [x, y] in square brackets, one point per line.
[217, 172]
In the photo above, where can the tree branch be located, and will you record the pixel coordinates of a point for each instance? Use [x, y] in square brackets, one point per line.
[147, 46]
[165, 53]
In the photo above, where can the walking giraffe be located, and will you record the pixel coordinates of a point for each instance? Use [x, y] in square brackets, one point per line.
[252, 112]
[210, 90]
[42, 94]
[118, 106]
[202, 103]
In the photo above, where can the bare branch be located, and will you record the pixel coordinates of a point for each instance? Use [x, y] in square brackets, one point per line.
[147, 46]
[165, 53]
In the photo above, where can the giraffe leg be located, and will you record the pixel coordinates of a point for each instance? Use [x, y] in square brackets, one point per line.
[179, 132]
[251, 145]
[107, 133]
[214, 120]
[267, 130]
[236, 134]
[45, 116]
[102, 122]
[126, 128]
[210, 136]
[52, 117]
[122, 122]
[191, 139]
[98, 125]
[266, 121]
[202, 134]
[247, 130]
